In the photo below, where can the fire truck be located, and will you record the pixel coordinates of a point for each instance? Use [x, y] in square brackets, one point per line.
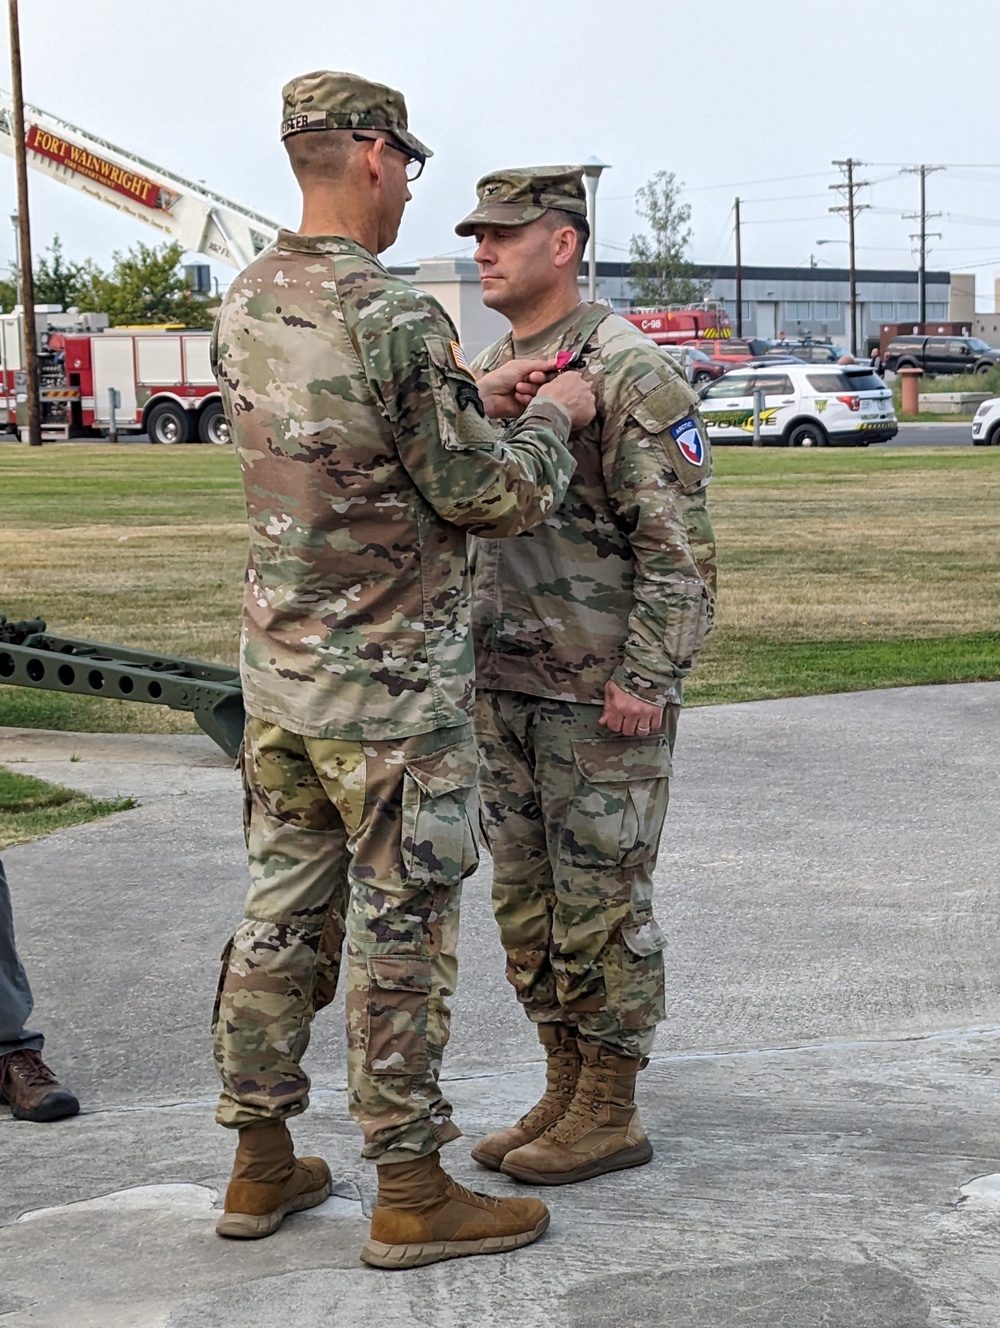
[96, 379]
[202, 221]
[682, 322]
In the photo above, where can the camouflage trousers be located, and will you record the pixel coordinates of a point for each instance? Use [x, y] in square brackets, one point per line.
[367, 841]
[573, 814]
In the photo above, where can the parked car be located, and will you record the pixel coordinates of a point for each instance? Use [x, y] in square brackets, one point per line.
[697, 367]
[986, 424]
[941, 355]
[812, 352]
[804, 405]
[730, 352]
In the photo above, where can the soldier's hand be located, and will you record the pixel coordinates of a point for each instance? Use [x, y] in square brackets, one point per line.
[506, 391]
[577, 396]
[626, 714]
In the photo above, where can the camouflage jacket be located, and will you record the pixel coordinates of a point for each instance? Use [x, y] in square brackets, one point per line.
[365, 458]
[620, 581]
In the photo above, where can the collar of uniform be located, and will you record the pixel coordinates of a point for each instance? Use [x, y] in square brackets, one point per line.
[555, 336]
[321, 244]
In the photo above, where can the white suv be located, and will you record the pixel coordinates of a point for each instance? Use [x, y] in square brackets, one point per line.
[804, 405]
[986, 424]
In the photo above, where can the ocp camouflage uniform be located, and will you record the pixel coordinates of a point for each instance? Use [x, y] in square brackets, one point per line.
[365, 460]
[619, 583]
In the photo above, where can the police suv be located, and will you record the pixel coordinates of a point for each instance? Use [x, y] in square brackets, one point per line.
[803, 405]
[986, 424]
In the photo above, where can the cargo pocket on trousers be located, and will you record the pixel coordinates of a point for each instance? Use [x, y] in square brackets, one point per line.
[633, 974]
[223, 970]
[398, 990]
[438, 845]
[619, 801]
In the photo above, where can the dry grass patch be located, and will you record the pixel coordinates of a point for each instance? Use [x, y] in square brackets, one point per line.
[838, 569]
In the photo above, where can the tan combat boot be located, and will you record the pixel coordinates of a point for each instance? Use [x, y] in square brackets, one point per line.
[423, 1216]
[562, 1070]
[599, 1132]
[269, 1182]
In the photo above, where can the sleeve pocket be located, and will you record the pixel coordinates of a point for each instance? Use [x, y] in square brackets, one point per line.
[689, 456]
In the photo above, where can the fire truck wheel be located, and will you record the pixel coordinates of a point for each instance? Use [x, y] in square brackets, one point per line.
[168, 423]
[213, 427]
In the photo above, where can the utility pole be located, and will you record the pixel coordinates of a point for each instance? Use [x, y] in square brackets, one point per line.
[848, 189]
[923, 216]
[29, 339]
[739, 271]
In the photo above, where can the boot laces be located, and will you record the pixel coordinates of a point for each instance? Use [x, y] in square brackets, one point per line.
[473, 1197]
[562, 1074]
[593, 1092]
[29, 1068]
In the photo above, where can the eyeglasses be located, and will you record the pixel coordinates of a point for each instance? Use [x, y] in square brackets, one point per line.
[414, 165]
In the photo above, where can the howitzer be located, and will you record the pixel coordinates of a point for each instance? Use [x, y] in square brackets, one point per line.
[31, 657]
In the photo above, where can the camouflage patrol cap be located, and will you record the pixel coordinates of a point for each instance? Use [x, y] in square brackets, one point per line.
[513, 198]
[328, 100]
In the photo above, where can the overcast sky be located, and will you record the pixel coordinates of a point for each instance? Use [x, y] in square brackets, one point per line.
[735, 98]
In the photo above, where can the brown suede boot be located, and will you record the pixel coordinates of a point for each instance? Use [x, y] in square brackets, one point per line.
[269, 1182]
[423, 1216]
[562, 1069]
[31, 1090]
[599, 1132]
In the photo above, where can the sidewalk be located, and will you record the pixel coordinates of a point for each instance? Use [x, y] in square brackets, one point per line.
[822, 1098]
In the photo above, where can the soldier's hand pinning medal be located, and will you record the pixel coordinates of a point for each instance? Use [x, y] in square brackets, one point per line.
[507, 390]
[570, 390]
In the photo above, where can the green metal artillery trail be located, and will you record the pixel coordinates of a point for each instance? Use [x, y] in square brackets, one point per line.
[32, 657]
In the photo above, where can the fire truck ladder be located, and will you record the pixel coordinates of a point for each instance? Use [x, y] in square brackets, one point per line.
[202, 221]
[30, 657]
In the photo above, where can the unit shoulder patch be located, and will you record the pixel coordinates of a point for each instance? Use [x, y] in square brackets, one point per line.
[690, 443]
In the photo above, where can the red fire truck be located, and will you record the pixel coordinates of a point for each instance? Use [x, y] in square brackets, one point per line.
[96, 380]
[682, 322]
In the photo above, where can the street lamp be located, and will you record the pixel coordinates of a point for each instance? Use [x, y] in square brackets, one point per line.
[592, 169]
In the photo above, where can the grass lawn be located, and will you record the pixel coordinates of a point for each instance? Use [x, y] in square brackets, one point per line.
[30, 807]
[840, 569]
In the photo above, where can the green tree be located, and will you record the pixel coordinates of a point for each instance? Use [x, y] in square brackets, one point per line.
[144, 285]
[58, 281]
[661, 274]
[8, 290]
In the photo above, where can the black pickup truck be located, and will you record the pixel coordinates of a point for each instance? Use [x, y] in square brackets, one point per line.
[941, 355]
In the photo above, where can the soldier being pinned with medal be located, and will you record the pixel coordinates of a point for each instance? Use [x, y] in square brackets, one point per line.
[585, 627]
[367, 458]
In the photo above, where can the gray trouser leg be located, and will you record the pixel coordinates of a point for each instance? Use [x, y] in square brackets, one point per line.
[15, 994]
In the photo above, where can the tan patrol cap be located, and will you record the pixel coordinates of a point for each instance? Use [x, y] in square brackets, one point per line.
[515, 197]
[328, 100]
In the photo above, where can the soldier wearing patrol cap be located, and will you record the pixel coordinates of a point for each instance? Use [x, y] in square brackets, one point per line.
[367, 456]
[584, 629]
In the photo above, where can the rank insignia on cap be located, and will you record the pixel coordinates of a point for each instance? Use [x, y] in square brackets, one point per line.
[688, 438]
[458, 355]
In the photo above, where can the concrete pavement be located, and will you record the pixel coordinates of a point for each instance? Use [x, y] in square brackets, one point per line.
[822, 1099]
[945, 434]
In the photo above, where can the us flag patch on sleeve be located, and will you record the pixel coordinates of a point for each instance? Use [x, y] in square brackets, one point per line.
[458, 355]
